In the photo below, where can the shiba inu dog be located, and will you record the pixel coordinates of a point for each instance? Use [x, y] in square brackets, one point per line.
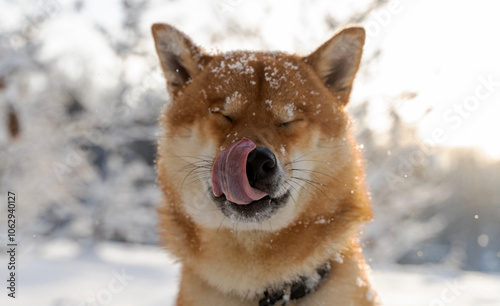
[262, 181]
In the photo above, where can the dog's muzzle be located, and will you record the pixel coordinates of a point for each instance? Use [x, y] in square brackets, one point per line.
[246, 182]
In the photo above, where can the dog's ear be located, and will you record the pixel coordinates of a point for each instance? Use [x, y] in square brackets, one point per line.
[181, 60]
[337, 61]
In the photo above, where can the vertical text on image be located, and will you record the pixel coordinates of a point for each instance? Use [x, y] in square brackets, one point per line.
[11, 244]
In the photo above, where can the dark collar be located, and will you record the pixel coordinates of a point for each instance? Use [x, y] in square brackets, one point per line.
[297, 289]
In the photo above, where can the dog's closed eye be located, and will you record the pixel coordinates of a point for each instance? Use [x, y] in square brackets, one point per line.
[288, 123]
[227, 118]
[217, 111]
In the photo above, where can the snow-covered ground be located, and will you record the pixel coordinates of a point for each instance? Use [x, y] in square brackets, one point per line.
[59, 273]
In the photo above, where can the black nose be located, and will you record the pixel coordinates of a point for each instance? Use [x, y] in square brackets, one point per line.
[261, 167]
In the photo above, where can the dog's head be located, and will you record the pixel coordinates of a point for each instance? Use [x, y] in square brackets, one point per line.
[259, 138]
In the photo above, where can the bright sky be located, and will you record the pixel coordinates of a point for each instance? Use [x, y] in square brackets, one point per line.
[446, 51]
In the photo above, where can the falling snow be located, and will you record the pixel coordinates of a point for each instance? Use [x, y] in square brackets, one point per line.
[320, 220]
[269, 104]
[290, 108]
[236, 96]
[282, 150]
[360, 282]
[338, 258]
[290, 65]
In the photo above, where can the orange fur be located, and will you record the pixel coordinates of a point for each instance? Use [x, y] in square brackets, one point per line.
[305, 125]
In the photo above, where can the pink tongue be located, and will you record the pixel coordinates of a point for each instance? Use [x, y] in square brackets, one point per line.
[229, 174]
